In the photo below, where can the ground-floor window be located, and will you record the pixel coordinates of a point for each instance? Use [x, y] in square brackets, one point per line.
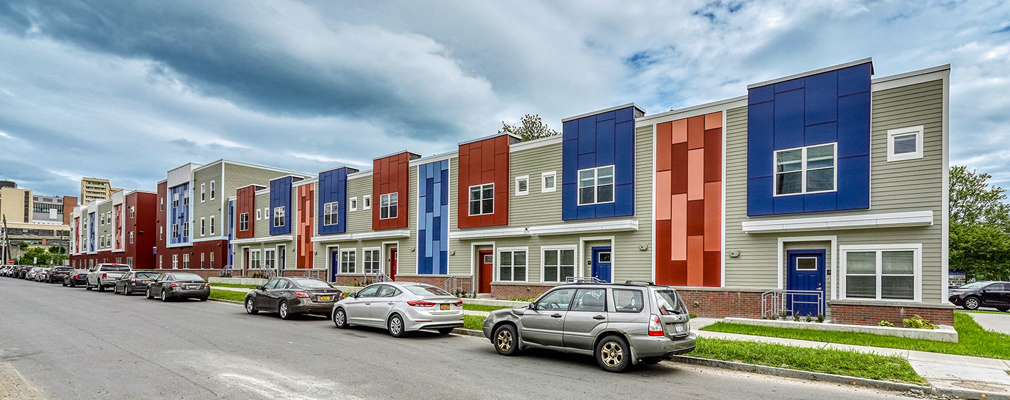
[175, 261]
[372, 261]
[185, 261]
[268, 258]
[212, 260]
[254, 259]
[203, 261]
[129, 261]
[347, 261]
[512, 265]
[882, 272]
[559, 264]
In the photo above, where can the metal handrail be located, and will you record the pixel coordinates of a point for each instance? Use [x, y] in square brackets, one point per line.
[380, 276]
[774, 302]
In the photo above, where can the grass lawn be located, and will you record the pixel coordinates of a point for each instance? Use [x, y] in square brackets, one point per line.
[973, 340]
[839, 362]
[233, 285]
[226, 294]
[475, 322]
[478, 307]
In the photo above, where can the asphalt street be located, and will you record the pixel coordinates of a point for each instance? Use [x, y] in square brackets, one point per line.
[76, 344]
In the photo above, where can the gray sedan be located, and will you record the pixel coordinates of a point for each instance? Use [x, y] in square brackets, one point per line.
[400, 307]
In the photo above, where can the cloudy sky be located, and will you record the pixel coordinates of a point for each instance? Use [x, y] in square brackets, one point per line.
[127, 90]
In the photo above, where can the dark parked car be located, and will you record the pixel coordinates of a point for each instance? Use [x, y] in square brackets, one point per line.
[76, 277]
[57, 273]
[134, 281]
[178, 285]
[982, 294]
[289, 296]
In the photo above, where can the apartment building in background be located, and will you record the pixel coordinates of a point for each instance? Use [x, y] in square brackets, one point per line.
[36, 219]
[95, 189]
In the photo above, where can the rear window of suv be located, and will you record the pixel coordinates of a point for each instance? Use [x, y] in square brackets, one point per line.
[668, 302]
[627, 300]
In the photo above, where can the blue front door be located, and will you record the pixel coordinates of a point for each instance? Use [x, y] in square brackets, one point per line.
[334, 264]
[806, 272]
[601, 263]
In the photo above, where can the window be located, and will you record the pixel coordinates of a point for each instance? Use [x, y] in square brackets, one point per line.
[175, 261]
[213, 191]
[133, 212]
[268, 258]
[129, 261]
[596, 185]
[203, 261]
[175, 230]
[482, 199]
[330, 213]
[254, 259]
[522, 185]
[353, 202]
[185, 261]
[278, 217]
[243, 221]
[131, 237]
[347, 261]
[592, 300]
[512, 265]
[548, 182]
[557, 300]
[161, 233]
[212, 259]
[805, 170]
[175, 200]
[559, 264]
[185, 197]
[259, 213]
[185, 230]
[266, 213]
[161, 204]
[212, 225]
[627, 300]
[904, 143]
[372, 261]
[881, 272]
[366, 201]
[203, 192]
[387, 205]
[203, 226]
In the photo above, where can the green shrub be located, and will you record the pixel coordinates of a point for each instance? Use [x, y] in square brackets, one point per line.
[918, 322]
[885, 323]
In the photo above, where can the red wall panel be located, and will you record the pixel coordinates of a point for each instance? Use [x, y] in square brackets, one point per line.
[484, 161]
[391, 175]
[306, 222]
[245, 202]
[160, 219]
[144, 228]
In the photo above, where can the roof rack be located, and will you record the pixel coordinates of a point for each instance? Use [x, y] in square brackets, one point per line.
[583, 279]
[640, 283]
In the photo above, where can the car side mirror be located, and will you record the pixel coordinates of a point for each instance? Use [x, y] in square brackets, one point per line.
[355, 294]
[532, 306]
[260, 287]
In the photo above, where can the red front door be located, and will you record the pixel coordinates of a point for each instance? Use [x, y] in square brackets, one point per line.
[392, 263]
[486, 261]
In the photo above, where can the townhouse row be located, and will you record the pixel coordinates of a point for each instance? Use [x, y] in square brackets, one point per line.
[823, 192]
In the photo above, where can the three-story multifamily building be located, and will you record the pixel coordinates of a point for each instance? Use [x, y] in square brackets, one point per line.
[115, 230]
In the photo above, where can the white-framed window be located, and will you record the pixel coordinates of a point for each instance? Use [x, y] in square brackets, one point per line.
[388, 205]
[203, 227]
[175, 200]
[203, 260]
[512, 264]
[808, 169]
[185, 230]
[596, 185]
[549, 182]
[558, 263]
[133, 212]
[185, 261]
[243, 221]
[330, 213]
[185, 197]
[131, 237]
[279, 217]
[213, 193]
[347, 261]
[129, 261]
[161, 233]
[254, 259]
[482, 199]
[366, 202]
[353, 203]
[161, 204]
[904, 143]
[175, 230]
[259, 214]
[882, 272]
[522, 185]
[268, 258]
[203, 192]
[175, 261]
[266, 212]
[212, 257]
[212, 229]
[371, 261]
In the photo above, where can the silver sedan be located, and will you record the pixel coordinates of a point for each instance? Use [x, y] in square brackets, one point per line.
[400, 307]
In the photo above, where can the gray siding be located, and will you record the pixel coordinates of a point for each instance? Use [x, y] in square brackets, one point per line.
[204, 209]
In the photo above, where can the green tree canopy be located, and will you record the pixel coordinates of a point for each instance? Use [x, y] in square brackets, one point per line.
[973, 200]
[979, 226]
[530, 127]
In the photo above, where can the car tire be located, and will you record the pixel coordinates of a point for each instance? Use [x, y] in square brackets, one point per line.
[164, 297]
[1003, 309]
[203, 299]
[115, 289]
[612, 354]
[147, 293]
[87, 285]
[250, 308]
[972, 303]
[73, 284]
[100, 287]
[282, 310]
[506, 340]
[395, 326]
[339, 318]
[64, 283]
[445, 331]
[126, 290]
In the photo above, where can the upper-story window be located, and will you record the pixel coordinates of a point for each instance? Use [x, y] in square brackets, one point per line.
[185, 197]
[522, 185]
[259, 214]
[175, 200]
[243, 221]
[353, 203]
[366, 202]
[213, 190]
[548, 182]
[330, 213]
[203, 192]
[278, 217]
[212, 224]
[388, 205]
[904, 143]
[808, 169]
[133, 212]
[482, 199]
[596, 185]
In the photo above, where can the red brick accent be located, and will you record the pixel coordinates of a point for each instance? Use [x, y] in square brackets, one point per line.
[721, 303]
[305, 273]
[854, 314]
[505, 292]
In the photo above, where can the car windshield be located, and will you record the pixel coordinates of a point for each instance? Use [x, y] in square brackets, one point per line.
[188, 277]
[426, 290]
[312, 284]
[669, 302]
[975, 285]
[116, 268]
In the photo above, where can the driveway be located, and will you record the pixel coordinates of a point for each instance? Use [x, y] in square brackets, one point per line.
[993, 322]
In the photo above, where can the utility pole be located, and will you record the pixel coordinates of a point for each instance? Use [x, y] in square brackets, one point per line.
[5, 250]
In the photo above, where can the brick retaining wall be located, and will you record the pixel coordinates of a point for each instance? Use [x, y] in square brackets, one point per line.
[505, 292]
[722, 303]
[857, 314]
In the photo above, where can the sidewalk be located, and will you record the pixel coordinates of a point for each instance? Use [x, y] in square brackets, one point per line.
[234, 289]
[945, 371]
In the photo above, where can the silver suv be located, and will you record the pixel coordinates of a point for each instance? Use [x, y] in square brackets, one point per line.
[618, 324]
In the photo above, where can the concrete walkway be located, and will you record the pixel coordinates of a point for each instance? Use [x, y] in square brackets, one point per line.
[941, 370]
[993, 322]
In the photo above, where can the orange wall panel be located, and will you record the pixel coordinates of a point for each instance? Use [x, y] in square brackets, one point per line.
[695, 260]
[680, 131]
[663, 195]
[678, 227]
[696, 174]
[713, 121]
[713, 216]
[696, 132]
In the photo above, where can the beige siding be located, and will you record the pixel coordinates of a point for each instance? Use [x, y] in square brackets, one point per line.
[359, 221]
[104, 230]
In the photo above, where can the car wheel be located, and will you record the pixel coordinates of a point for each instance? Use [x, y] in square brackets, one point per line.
[444, 331]
[64, 283]
[147, 293]
[127, 290]
[100, 287]
[87, 285]
[971, 303]
[73, 284]
[115, 289]
[249, 307]
[1003, 309]
[203, 299]
[163, 296]
[506, 340]
[340, 318]
[612, 354]
[282, 310]
[395, 325]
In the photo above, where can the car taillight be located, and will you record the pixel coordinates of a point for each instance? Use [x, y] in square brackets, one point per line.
[301, 295]
[208, 285]
[173, 284]
[421, 303]
[105, 276]
[341, 296]
[458, 303]
[133, 281]
[655, 326]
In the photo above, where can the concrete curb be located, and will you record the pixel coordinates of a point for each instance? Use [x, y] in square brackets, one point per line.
[225, 301]
[468, 332]
[850, 380]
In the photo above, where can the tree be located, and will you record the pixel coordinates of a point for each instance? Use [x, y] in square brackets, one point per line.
[974, 201]
[530, 127]
[979, 226]
[36, 256]
[57, 250]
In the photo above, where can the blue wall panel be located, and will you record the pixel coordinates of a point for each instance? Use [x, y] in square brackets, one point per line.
[91, 232]
[332, 187]
[433, 218]
[178, 215]
[830, 107]
[599, 140]
[280, 196]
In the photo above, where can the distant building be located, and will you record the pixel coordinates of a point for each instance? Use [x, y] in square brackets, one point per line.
[95, 189]
[8, 184]
[35, 219]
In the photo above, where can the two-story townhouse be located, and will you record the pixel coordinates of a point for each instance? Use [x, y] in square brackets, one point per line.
[120, 230]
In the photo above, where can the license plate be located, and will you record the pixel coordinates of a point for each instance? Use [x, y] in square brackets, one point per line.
[192, 287]
[147, 281]
[324, 298]
[679, 328]
[444, 307]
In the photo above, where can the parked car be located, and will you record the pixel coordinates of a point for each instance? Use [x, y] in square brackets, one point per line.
[982, 294]
[178, 285]
[26, 272]
[400, 308]
[134, 281]
[290, 296]
[56, 274]
[618, 324]
[5, 270]
[76, 277]
[104, 275]
[43, 274]
[33, 273]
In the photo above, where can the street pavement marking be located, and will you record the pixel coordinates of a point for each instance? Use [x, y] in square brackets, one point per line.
[15, 386]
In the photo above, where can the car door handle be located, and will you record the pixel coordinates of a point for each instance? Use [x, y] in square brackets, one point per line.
[390, 303]
[556, 315]
[599, 317]
[368, 304]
